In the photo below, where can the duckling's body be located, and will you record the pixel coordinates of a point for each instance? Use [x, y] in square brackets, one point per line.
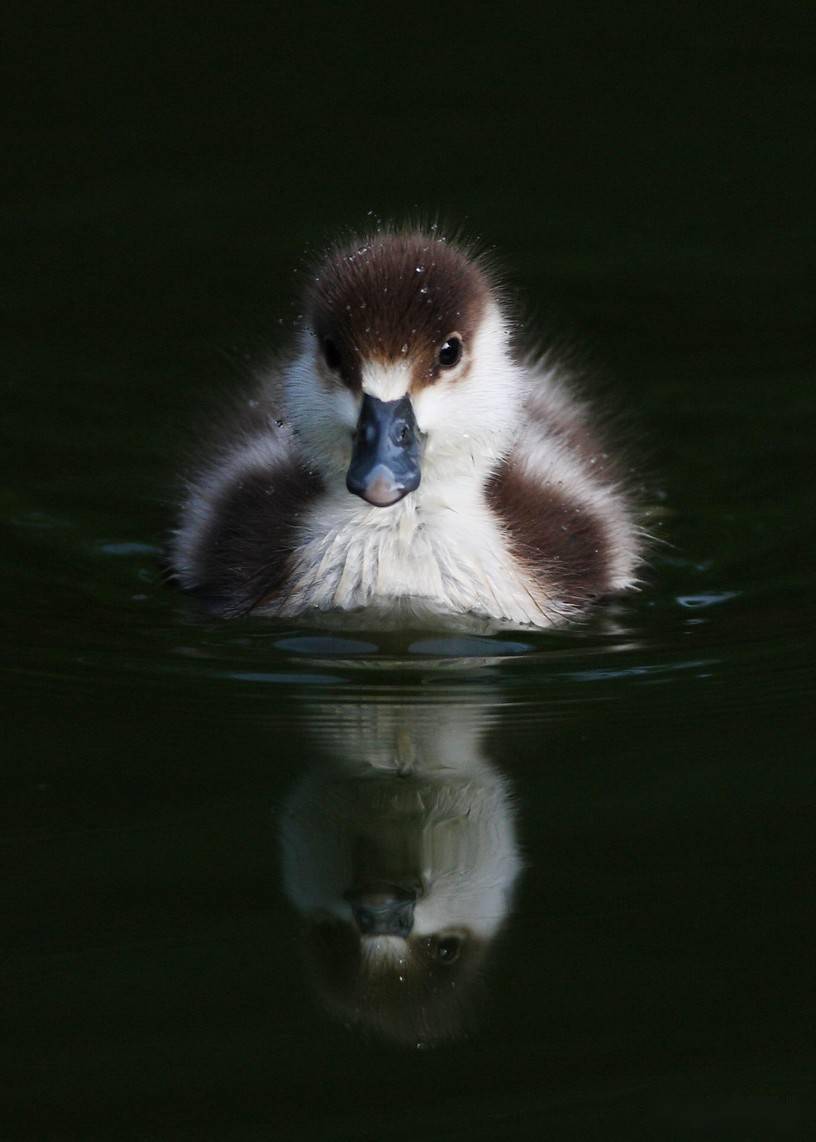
[404, 461]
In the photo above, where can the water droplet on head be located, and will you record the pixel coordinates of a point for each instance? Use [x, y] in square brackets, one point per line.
[420, 269]
[404, 349]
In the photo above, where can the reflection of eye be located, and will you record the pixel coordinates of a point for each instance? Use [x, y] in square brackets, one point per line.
[451, 352]
[447, 949]
[331, 354]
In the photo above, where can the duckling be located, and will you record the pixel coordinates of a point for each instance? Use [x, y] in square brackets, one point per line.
[404, 460]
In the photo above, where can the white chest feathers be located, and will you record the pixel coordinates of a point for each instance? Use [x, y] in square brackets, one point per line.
[428, 555]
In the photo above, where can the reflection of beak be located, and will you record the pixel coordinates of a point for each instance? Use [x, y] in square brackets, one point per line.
[385, 459]
[388, 911]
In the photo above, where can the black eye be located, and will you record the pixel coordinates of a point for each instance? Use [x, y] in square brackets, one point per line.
[331, 354]
[448, 949]
[451, 353]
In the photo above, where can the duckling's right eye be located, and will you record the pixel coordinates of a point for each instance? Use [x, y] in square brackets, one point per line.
[451, 352]
[331, 354]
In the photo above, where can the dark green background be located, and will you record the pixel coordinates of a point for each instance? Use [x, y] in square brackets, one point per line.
[645, 173]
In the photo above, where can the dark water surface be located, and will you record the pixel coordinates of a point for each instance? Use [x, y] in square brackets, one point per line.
[644, 177]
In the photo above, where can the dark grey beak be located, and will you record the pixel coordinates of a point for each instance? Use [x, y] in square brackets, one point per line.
[387, 912]
[385, 459]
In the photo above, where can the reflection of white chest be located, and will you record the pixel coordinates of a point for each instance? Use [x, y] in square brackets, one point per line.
[431, 554]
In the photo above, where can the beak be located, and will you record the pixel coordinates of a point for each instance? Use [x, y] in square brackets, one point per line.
[384, 911]
[385, 459]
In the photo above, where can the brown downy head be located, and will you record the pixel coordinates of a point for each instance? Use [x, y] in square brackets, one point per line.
[409, 299]
[405, 362]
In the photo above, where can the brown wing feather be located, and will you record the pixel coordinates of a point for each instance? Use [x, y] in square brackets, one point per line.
[561, 543]
[245, 553]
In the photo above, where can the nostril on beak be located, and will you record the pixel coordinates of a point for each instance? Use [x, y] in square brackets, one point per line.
[383, 916]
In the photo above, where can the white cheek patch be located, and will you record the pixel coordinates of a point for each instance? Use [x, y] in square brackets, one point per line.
[428, 405]
[386, 382]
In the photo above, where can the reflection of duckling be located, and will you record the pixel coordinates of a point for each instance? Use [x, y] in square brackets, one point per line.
[401, 858]
[405, 461]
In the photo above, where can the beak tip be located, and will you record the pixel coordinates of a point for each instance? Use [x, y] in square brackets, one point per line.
[381, 490]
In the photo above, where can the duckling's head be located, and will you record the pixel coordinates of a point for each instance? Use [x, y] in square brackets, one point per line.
[404, 372]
